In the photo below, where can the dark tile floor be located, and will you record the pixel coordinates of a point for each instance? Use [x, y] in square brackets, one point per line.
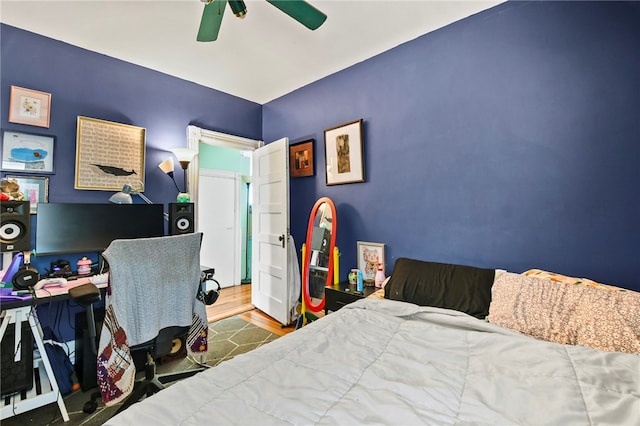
[227, 338]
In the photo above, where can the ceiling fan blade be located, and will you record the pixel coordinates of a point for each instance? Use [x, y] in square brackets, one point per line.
[211, 20]
[301, 11]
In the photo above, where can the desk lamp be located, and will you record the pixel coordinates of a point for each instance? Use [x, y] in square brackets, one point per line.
[125, 197]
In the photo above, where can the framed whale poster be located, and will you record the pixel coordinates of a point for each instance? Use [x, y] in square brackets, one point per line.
[27, 152]
[109, 155]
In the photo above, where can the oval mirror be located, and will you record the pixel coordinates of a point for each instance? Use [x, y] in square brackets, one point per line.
[318, 259]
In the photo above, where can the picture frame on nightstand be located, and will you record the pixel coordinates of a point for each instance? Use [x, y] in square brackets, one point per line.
[369, 255]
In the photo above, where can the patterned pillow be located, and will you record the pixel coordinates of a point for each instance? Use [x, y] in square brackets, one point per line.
[552, 276]
[567, 313]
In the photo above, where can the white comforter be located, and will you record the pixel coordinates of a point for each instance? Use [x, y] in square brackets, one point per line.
[394, 363]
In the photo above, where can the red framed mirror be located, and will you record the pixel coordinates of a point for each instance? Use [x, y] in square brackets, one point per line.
[318, 262]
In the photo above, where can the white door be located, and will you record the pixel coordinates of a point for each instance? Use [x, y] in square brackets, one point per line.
[218, 213]
[270, 181]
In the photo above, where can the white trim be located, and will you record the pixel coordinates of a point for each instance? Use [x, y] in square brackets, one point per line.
[222, 139]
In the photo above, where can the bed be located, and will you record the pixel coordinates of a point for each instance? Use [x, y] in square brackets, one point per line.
[384, 361]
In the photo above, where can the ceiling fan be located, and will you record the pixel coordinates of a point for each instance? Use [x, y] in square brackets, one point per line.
[299, 10]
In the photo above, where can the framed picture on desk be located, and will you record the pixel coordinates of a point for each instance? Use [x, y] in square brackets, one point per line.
[34, 188]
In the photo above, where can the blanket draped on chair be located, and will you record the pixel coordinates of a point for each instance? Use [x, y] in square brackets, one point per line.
[153, 284]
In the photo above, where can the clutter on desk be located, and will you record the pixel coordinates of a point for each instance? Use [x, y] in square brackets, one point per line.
[8, 294]
[60, 268]
[84, 266]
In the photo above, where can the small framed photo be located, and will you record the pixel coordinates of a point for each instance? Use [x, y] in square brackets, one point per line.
[27, 152]
[34, 188]
[344, 153]
[28, 106]
[301, 159]
[369, 256]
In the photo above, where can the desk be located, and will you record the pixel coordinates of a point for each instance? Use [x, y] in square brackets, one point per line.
[45, 295]
[56, 293]
[17, 311]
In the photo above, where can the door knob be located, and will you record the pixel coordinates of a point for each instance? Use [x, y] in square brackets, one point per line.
[281, 239]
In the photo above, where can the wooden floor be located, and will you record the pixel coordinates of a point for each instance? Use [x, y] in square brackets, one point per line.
[236, 300]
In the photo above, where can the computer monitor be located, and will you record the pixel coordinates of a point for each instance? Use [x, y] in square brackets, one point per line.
[83, 228]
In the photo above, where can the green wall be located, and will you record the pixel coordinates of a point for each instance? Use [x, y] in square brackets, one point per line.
[220, 158]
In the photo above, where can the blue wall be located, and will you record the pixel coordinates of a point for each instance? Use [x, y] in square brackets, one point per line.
[90, 84]
[510, 139]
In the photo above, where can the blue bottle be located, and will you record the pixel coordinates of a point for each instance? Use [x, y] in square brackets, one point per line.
[359, 282]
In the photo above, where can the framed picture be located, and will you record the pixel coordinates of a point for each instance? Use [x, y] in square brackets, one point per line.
[108, 155]
[344, 153]
[27, 152]
[34, 188]
[369, 256]
[301, 159]
[28, 106]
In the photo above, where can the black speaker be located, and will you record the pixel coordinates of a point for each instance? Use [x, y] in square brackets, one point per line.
[181, 218]
[15, 226]
[178, 350]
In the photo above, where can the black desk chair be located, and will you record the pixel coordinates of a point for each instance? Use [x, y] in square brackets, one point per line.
[153, 382]
[153, 281]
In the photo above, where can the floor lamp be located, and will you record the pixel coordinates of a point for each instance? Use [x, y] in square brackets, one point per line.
[184, 156]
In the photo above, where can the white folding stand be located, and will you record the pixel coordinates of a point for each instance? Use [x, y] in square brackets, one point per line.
[17, 316]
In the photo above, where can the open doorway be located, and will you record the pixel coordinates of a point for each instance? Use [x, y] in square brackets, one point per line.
[220, 185]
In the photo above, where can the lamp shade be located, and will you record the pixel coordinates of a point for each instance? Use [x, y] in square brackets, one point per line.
[167, 166]
[184, 155]
[122, 197]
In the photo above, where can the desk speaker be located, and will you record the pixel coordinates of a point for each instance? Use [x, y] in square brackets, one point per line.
[15, 226]
[181, 218]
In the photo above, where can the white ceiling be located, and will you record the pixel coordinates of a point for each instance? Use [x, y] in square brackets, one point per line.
[259, 58]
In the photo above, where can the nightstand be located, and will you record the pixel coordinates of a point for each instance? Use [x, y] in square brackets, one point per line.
[342, 294]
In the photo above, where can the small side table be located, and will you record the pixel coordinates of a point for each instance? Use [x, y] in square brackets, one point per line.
[342, 294]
